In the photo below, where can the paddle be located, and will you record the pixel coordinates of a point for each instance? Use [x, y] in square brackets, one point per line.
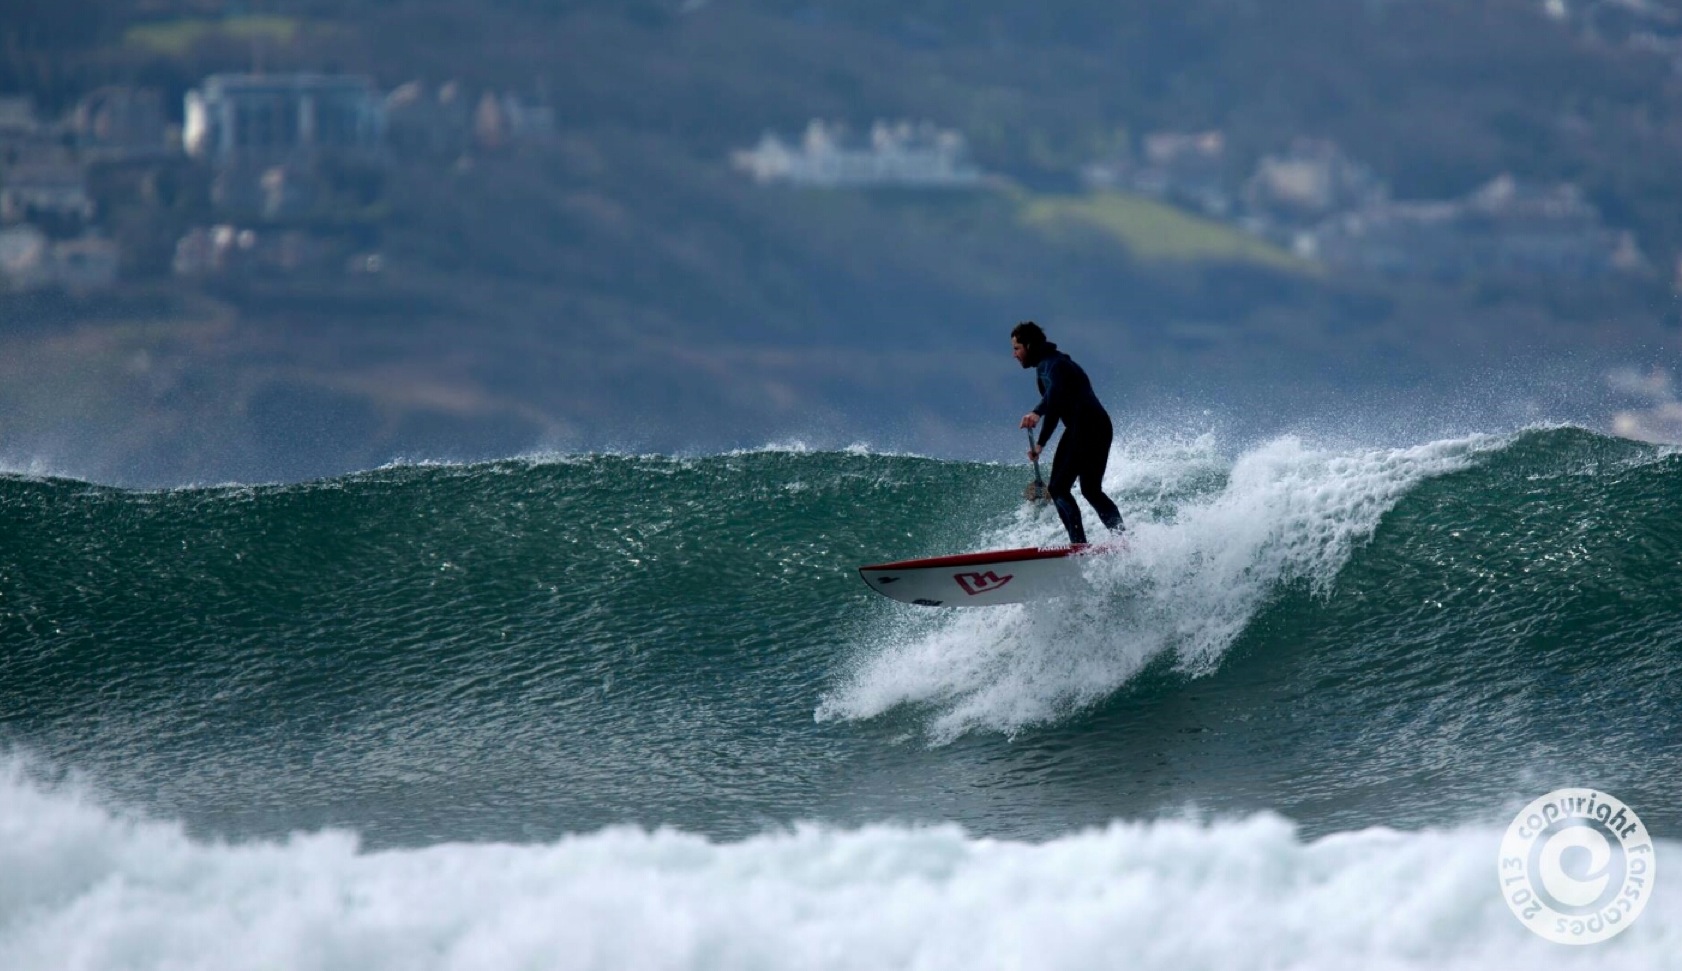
[1036, 490]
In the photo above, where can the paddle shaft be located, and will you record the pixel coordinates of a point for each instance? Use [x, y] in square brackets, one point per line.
[1037, 491]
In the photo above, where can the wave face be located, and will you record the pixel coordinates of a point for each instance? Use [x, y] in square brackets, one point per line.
[1416, 637]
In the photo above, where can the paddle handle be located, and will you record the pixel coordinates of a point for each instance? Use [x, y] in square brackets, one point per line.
[1034, 458]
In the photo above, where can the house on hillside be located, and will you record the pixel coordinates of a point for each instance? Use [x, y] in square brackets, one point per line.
[120, 123]
[1550, 229]
[1185, 168]
[428, 123]
[499, 122]
[20, 132]
[53, 191]
[446, 122]
[1309, 182]
[281, 145]
[1400, 239]
[245, 119]
[899, 154]
[1505, 227]
[17, 117]
[1655, 412]
[209, 251]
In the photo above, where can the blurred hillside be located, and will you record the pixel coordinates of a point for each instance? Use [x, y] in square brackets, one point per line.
[618, 282]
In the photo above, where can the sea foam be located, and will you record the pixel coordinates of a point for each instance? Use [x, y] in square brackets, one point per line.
[90, 889]
[1209, 540]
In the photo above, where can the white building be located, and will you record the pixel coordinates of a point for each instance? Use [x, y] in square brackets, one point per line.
[1506, 227]
[1310, 181]
[46, 189]
[242, 118]
[500, 122]
[900, 154]
[1186, 168]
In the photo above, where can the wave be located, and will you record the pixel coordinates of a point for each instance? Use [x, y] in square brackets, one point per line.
[96, 889]
[526, 648]
[1208, 545]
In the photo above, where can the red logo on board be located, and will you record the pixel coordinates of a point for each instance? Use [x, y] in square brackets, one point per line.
[974, 583]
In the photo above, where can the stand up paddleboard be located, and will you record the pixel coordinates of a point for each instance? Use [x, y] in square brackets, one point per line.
[984, 579]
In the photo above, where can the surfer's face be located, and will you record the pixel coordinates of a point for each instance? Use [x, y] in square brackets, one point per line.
[1019, 352]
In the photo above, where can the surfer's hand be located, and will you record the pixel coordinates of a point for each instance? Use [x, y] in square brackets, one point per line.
[1030, 420]
[1034, 454]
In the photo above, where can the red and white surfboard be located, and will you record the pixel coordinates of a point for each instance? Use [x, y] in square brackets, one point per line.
[984, 579]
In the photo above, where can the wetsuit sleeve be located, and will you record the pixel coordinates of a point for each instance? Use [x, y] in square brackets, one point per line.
[1047, 427]
[1051, 400]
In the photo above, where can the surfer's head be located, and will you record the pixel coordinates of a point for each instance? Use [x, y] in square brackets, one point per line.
[1026, 340]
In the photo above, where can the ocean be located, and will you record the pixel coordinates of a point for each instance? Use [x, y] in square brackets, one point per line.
[638, 711]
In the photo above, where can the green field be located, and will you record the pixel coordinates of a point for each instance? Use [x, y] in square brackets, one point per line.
[175, 38]
[1153, 230]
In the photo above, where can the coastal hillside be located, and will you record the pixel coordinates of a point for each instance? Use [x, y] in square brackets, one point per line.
[594, 266]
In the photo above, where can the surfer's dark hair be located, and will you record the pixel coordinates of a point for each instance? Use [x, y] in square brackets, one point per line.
[1028, 334]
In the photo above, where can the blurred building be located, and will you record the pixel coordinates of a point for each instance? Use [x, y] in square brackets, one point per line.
[207, 250]
[17, 117]
[900, 154]
[1657, 412]
[499, 122]
[427, 123]
[1309, 182]
[286, 194]
[52, 191]
[1185, 168]
[1505, 227]
[119, 123]
[210, 251]
[243, 119]
[1404, 239]
[1661, 424]
[1550, 228]
[22, 136]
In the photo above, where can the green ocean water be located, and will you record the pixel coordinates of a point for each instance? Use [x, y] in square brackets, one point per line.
[529, 648]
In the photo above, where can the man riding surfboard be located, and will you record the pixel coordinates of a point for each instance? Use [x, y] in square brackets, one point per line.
[1066, 395]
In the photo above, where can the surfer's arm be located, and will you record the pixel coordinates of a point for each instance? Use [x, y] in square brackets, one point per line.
[1048, 408]
[1046, 428]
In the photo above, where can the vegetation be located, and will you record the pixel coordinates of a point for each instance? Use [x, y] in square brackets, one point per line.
[709, 295]
[1153, 230]
[175, 38]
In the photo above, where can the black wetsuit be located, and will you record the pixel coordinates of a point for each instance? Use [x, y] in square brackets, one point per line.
[1066, 395]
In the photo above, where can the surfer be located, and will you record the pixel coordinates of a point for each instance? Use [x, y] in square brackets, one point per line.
[1066, 395]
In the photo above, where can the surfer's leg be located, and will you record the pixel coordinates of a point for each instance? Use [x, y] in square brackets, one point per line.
[1065, 465]
[1101, 504]
[1096, 457]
